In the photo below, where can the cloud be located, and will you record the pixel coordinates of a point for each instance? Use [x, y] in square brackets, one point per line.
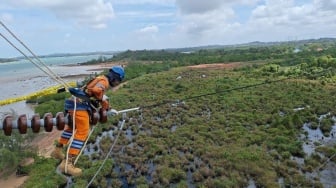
[93, 13]
[197, 24]
[202, 20]
[326, 4]
[133, 2]
[5, 17]
[140, 24]
[201, 7]
[149, 30]
[198, 7]
[288, 20]
[287, 14]
[146, 37]
[216, 21]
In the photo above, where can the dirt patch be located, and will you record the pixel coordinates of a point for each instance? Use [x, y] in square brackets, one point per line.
[12, 181]
[45, 142]
[217, 66]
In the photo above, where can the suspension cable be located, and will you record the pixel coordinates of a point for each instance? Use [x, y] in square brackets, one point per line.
[317, 169]
[29, 58]
[194, 97]
[217, 92]
[187, 98]
[61, 81]
[49, 72]
[229, 90]
[72, 136]
[108, 154]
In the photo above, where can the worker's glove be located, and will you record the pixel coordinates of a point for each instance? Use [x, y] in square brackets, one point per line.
[94, 103]
[60, 90]
[105, 98]
[113, 112]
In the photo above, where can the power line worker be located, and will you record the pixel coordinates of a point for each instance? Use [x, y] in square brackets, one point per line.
[94, 89]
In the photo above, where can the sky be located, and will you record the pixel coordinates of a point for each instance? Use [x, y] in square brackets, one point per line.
[74, 26]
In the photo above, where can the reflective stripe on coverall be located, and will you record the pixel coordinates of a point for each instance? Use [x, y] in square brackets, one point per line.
[96, 89]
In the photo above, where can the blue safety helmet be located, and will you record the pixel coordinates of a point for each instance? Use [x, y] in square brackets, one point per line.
[119, 71]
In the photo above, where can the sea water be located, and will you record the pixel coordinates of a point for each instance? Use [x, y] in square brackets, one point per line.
[25, 66]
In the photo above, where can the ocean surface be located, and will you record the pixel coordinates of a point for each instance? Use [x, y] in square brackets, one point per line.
[24, 66]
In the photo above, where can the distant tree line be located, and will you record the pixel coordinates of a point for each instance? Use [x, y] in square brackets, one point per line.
[285, 54]
[310, 55]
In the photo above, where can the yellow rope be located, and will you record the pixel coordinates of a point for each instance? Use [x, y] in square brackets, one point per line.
[47, 91]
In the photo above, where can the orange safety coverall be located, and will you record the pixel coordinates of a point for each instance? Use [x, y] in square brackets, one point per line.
[96, 88]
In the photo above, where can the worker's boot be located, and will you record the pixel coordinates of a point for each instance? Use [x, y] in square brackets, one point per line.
[58, 152]
[70, 168]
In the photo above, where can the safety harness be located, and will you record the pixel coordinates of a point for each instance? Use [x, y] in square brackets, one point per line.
[83, 99]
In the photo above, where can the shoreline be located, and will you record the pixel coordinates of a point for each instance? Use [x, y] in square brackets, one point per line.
[22, 84]
[19, 84]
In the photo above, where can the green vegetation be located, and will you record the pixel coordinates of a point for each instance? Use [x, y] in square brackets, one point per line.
[100, 59]
[5, 60]
[14, 149]
[213, 127]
